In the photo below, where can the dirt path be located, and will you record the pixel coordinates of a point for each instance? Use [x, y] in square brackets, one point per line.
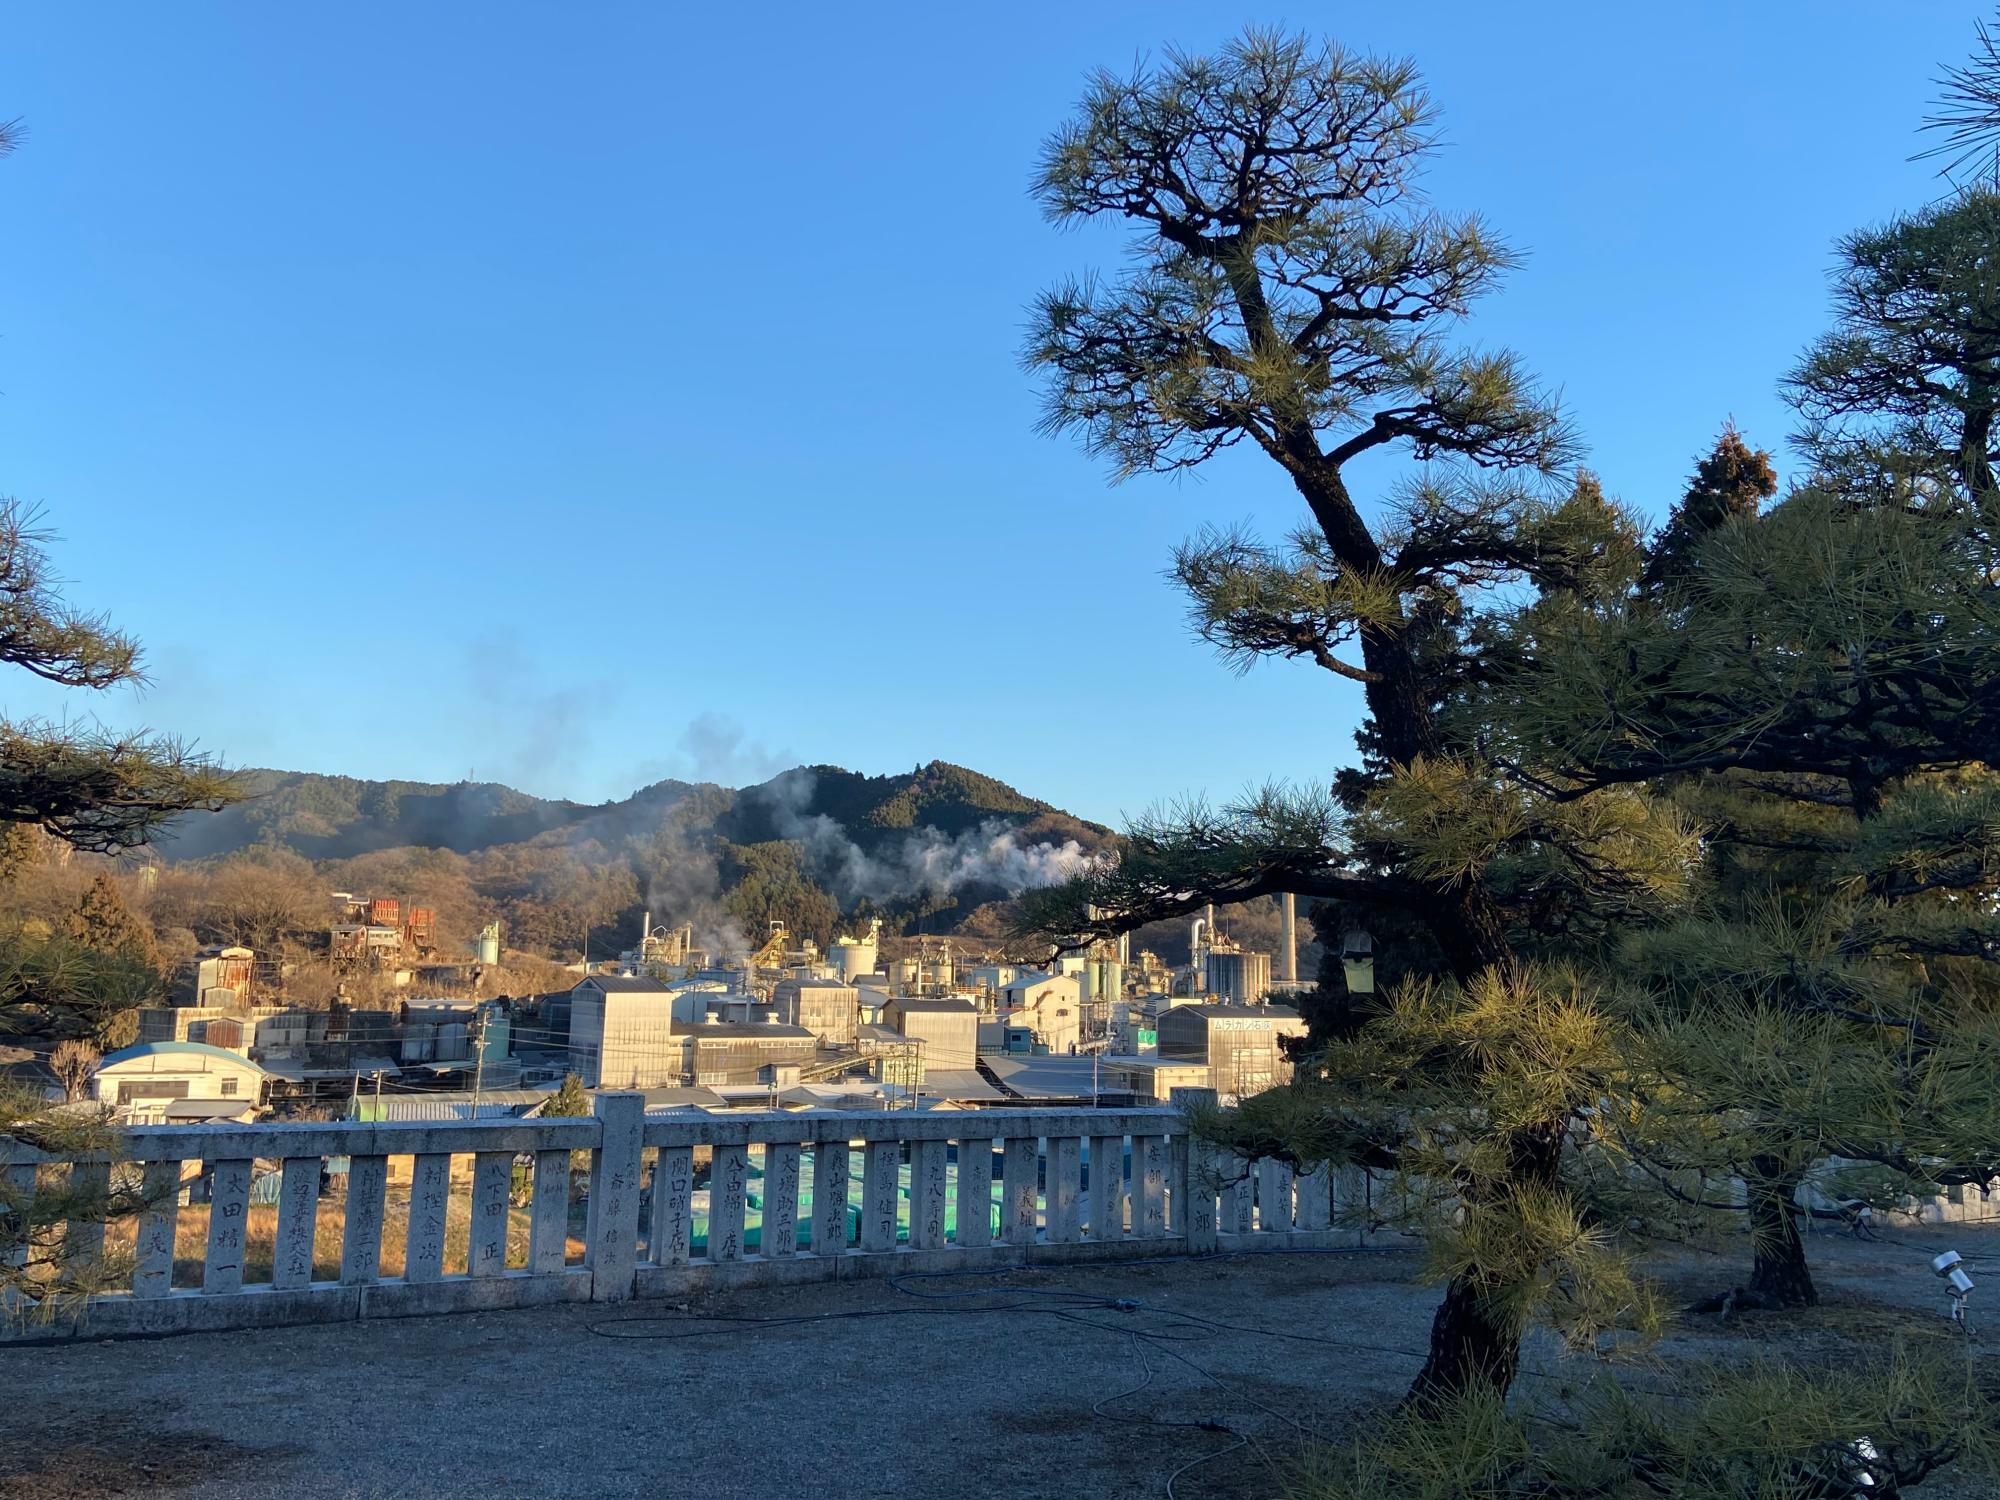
[1074, 1381]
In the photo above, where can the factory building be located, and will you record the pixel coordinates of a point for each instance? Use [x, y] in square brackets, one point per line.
[925, 973]
[1150, 1080]
[663, 952]
[722, 1054]
[1236, 977]
[621, 1032]
[222, 977]
[699, 1001]
[1238, 1043]
[380, 930]
[1103, 981]
[178, 1082]
[991, 976]
[947, 1028]
[1050, 1005]
[828, 1009]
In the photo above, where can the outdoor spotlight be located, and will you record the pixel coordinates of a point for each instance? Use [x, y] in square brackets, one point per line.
[1950, 1268]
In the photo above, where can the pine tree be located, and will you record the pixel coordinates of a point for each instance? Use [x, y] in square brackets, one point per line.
[90, 788]
[1863, 886]
[1819, 687]
[1905, 388]
[1731, 484]
[568, 1102]
[1290, 294]
[103, 921]
[571, 1101]
[1293, 293]
[1829, 961]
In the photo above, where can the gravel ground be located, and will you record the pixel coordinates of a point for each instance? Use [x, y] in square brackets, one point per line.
[948, 1389]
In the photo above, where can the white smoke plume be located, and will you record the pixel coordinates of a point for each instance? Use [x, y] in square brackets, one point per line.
[684, 888]
[929, 863]
[924, 862]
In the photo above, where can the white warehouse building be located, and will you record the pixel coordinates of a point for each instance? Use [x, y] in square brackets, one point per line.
[156, 1082]
[621, 1028]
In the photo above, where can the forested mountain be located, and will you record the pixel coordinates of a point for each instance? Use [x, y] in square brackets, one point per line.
[935, 846]
[877, 809]
[339, 817]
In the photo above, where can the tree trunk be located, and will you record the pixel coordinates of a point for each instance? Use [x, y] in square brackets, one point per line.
[1470, 1347]
[1974, 465]
[1475, 1336]
[1779, 1275]
[1475, 1340]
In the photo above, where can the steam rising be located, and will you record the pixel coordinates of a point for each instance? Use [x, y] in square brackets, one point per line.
[925, 862]
[684, 885]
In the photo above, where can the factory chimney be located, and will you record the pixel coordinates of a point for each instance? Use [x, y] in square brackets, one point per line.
[1288, 949]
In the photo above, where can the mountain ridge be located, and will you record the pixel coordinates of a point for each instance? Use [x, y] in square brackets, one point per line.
[328, 816]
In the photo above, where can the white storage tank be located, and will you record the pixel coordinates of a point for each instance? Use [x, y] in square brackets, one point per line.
[1103, 979]
[853, 957]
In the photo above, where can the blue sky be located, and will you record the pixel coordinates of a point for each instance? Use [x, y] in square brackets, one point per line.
[584, 395]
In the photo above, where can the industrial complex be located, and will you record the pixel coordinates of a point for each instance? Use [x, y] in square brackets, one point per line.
[781, 1025]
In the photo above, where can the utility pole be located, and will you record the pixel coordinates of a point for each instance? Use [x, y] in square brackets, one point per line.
[478, 1053]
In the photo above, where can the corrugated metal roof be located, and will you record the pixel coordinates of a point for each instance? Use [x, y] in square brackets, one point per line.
[207, 1109]
[296, 1071]
[664, 1100]
[1131, 1060]
[175, 1049]
[830, 1096]
[443, 1104]
[958, 1083]
[1044, 1077]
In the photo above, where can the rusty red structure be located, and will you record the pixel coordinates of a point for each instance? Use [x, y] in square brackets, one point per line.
[420, 931]
[385, 911]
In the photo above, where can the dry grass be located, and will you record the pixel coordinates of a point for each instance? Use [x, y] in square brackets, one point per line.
[329, 1234]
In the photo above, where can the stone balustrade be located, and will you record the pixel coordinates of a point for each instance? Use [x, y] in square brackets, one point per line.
[665, 1206]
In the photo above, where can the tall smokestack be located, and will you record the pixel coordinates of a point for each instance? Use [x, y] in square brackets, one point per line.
[1288, 968]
